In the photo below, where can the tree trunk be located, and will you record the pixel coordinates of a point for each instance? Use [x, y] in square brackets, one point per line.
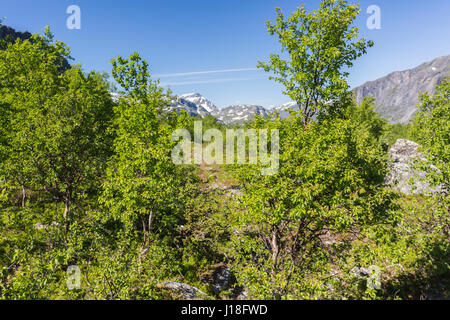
[275, 249]
[275, 253]
[150, 222]
[67, 203]
[24, 196]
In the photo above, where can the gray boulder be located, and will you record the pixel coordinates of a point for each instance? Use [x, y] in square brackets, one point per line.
[404, 154]
[360, 272]
[184, 290]
[41, 226]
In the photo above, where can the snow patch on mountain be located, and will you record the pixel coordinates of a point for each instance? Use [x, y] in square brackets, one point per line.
[200, 101]
[240, 114]
[283, 110]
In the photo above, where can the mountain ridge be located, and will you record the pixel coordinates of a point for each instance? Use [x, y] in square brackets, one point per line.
[397, 94]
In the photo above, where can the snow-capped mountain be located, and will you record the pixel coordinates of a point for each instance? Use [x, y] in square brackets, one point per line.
[195, 104]
[240, 113]
[283, 110]
[200, 101]
[191, 107]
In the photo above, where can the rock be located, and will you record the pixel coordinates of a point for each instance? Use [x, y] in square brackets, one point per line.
[201, 102]
[284, 109]
[185, 290]
[360, 272]
[217, 186]
[189, 106]
[218, 277]
[234, 191]
[404, 153]
[41, 226]
[397, 94]
[239, 114]
[242, 296]
[405, 150]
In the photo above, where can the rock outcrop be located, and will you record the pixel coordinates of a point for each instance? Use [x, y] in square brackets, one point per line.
[184, 290]
[403, 175]
[397, 94]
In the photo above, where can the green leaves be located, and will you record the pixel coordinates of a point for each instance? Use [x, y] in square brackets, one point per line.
[330, 181]
[144, 188]
[332, 168]
[319, 45]
[132, 75]
[133, 218]
[55, 135]
[431, 127]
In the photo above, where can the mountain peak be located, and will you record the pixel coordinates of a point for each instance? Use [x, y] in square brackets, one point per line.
[200, 101]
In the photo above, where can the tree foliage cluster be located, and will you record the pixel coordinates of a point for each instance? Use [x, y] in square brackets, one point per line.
[87, 181]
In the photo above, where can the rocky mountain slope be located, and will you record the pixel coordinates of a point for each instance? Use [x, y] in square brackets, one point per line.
[194, 104]
[283, 110]
[239, 114]
[396, 95]
[200, 101]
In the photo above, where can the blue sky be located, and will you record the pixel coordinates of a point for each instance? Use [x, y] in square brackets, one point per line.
[212, 47]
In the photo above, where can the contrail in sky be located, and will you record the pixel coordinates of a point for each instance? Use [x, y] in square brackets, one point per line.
[182, 74]
[179, 83]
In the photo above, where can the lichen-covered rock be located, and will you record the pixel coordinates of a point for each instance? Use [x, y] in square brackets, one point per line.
[404, 153]
[184, 290]
[360, 272]
[41, 226]
[234, 191]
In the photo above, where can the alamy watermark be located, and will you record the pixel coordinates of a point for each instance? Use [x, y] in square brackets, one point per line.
[74, 20]
[374, 21]
[374, 279]
[74, 280]
[242, 146]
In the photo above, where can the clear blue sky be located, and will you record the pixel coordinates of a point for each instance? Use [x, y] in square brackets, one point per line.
[199, 36]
